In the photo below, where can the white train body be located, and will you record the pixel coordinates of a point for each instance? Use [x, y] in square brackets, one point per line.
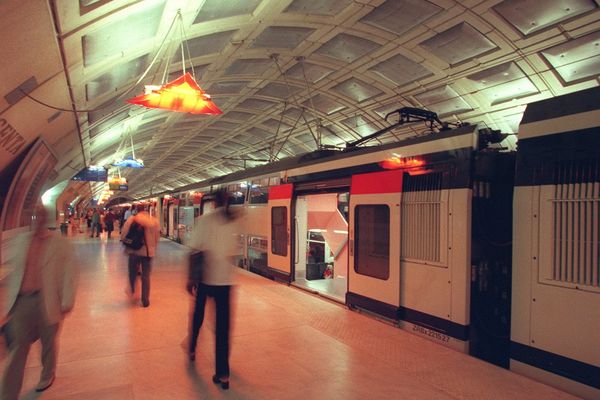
[555, 283]
[451, 242]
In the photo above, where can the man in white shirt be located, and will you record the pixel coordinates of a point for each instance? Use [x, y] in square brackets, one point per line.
[215, 235]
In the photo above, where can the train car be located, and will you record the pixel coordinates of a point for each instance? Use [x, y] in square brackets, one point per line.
[442, 235]
[386, 229]
[555, 334]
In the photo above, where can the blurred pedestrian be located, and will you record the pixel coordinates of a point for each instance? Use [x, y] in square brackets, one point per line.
[95, 223]
[40, 292]
[88, 217]
[214, 235]
[141, 259]
[109, 222]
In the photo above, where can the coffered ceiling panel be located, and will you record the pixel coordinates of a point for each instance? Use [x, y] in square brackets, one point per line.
[217, 9]
[122, 33]
[347, 47]
[530, 16]
[321, 7]
[401, 70]
[460, 43]
[400, 16]
[285, 37]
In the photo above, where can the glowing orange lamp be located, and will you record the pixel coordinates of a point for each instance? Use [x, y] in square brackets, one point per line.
[181, 95]
[397, 162]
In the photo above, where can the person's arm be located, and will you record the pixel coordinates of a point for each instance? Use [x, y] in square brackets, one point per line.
[69, 276]
[126, 228]
[156, 232]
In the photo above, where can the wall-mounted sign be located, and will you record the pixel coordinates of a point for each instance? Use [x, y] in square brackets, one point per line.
[92, 174]
[117, 183]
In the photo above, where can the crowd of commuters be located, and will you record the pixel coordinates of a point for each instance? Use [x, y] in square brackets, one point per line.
[42, 284]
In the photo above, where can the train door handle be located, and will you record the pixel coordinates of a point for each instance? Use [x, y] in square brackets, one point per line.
[296, 242]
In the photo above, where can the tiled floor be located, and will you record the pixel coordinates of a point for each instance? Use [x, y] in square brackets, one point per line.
[286, 344]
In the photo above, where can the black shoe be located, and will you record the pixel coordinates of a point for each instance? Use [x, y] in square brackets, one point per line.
[145, 304]
[44, 385]
[224, 384]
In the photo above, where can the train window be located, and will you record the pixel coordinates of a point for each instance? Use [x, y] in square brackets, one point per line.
[257, 254]
[259, 193]
[279, 228]
[372, 240]
[237, 193]
[343, 205]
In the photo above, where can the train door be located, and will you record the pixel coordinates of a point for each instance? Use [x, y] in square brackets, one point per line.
[374, 242]
[321, 243]
[279, 255]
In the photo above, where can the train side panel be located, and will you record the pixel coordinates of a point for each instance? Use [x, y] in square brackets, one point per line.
[556, 288]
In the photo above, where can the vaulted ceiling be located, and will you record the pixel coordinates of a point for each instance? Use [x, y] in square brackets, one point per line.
[287, 74]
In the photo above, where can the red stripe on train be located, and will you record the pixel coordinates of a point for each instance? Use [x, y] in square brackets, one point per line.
[377, 182]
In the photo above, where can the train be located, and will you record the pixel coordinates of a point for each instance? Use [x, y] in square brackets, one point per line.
[488, 250]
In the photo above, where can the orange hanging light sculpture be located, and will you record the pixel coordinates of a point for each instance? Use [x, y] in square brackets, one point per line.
[181, 95]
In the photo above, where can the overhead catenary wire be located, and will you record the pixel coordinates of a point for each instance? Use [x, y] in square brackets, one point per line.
[274, 57]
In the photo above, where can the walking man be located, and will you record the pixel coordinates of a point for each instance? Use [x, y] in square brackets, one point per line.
[40, 292]
[142, 258]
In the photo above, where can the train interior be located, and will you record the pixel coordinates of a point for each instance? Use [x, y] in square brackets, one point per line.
[321, 244]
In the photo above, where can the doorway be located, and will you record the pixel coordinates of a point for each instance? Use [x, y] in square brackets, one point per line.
[321, 244]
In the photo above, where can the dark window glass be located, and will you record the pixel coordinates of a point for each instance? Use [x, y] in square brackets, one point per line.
[259, 195]
[279, 229]
[237, 193]
[372, 240]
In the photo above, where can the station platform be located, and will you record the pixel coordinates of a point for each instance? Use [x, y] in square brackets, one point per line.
[286, 344]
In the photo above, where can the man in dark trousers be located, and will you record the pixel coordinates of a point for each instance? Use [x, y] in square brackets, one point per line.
[215, 236]
[142, 258]
[109, 222]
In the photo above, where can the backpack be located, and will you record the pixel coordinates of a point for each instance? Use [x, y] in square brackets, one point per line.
[134, 239]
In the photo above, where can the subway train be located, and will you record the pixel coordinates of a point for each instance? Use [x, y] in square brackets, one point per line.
[490, 251]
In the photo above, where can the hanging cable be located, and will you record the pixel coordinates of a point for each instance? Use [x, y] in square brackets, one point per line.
[122, 95]
[310, 98]
[272, 145]
[274, 57]
[288, 135]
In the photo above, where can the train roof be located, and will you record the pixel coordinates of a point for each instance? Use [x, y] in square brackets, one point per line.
[322, 156]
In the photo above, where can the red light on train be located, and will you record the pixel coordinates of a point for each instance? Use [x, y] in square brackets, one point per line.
[401, 162]
[181, 95]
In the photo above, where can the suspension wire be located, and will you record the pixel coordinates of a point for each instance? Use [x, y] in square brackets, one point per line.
[181, 39]
[187, 48]
[131, 141]
[289, 133]
[312, 105]
[293, 96]
[122, 95]
[166, 71]
[272, 145]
